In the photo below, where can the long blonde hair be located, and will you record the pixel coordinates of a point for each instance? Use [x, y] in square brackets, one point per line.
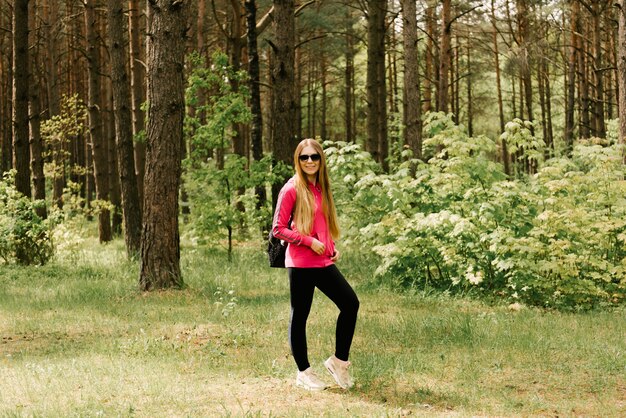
[305, 202]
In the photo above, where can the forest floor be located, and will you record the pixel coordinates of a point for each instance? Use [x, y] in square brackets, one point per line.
[77, 338]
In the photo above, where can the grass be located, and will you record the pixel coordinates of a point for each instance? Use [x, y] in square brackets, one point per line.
[79, 339]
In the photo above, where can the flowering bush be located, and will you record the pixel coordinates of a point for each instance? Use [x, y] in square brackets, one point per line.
[553, 239]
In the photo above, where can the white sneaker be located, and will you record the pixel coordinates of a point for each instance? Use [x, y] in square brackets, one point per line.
[339, 370]
[308, 380]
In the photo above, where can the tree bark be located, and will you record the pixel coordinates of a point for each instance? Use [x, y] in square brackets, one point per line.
[122, 111]
[256, 128]
[411, 96]
[375, 84]
[571, 79]
[21, 150]
[137, 82]
[34, 103]
[621, 72]
[99, 144]
[445, 57]
[283, 82]
[160, 241]
[429, 54]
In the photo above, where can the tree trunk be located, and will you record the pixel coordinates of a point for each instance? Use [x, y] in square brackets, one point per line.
[376, 86]
[36, 146]
[429, 72]
[51, 23]
[571, 79]
[21, 151]
[160, 241]
[283, 83]
[583, 81]
[525, 58]
[122, 111]
[411, 96]
[504, 153]
[256, 129]
[445, 58]
[96, 131]
[137, 82]
[349, 80]
[598, 72]
[621, 73]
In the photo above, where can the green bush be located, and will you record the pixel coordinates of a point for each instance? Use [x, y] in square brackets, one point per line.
[24, 235]
[554, 239]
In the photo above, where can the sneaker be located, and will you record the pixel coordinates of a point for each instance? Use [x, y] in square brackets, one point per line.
[308, 380]
[339, 370]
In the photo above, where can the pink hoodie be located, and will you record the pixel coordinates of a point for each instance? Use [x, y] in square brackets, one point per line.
[299, 252]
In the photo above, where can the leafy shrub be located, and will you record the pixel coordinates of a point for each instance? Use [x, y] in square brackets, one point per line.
[553, 239]
[24, 236]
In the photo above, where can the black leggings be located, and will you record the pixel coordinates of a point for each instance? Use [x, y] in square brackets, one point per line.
[302, 284]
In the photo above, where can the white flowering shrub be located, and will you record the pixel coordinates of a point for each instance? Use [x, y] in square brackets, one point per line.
[554, 239]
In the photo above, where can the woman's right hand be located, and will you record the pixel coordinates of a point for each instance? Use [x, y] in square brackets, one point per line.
[318, 247]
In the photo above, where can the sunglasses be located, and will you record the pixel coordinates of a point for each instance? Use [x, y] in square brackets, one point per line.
[313, 157]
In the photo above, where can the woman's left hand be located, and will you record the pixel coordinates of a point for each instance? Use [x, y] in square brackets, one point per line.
[335, 256]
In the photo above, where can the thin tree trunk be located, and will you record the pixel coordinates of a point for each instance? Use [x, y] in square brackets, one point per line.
[571, 78]
[429, 72]
[621, 73]
[349, 81]
[36, 146]
[504, 153]
[96, 131]
[21, 150]
[445, 57]
[598, 72]
[282, 73]
[160, 240]
[411, 96]
[470, 101]
[256, 129]
[137, 81]
[122, 110]
[583, 82]
[376, 86]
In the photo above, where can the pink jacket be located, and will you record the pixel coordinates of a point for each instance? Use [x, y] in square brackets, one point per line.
[299, 252]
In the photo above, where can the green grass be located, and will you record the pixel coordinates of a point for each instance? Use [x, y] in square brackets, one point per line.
[79, 339]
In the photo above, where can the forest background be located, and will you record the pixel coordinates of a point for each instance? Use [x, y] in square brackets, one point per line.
[476, 155]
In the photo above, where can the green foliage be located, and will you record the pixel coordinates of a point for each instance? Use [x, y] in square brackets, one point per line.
[60, 130]
[216, 200]
[24, 236]
[554, 239]
[215, 105]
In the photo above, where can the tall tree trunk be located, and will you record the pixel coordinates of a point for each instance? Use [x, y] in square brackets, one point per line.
[6, 90]
[96, 131]
[429, 65]
[598, 72]
[583, 81]
[137, 81]
[283, 83]
[21, 150]
[376, 86]
[621, 72]
[122, 110]
[445, 57]
[160, 240]
[34, 102]
[51, 33]
[256, 131]
[571, 78]
[470, 101]
[349, 80]
[504, 153]
[411, 96]
[526, 58]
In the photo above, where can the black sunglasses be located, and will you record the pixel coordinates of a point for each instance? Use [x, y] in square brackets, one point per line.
[313, 157]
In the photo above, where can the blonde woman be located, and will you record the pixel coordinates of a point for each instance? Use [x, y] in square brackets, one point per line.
[306, 198]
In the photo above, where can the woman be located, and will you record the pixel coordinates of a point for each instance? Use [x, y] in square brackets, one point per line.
[307, 200]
